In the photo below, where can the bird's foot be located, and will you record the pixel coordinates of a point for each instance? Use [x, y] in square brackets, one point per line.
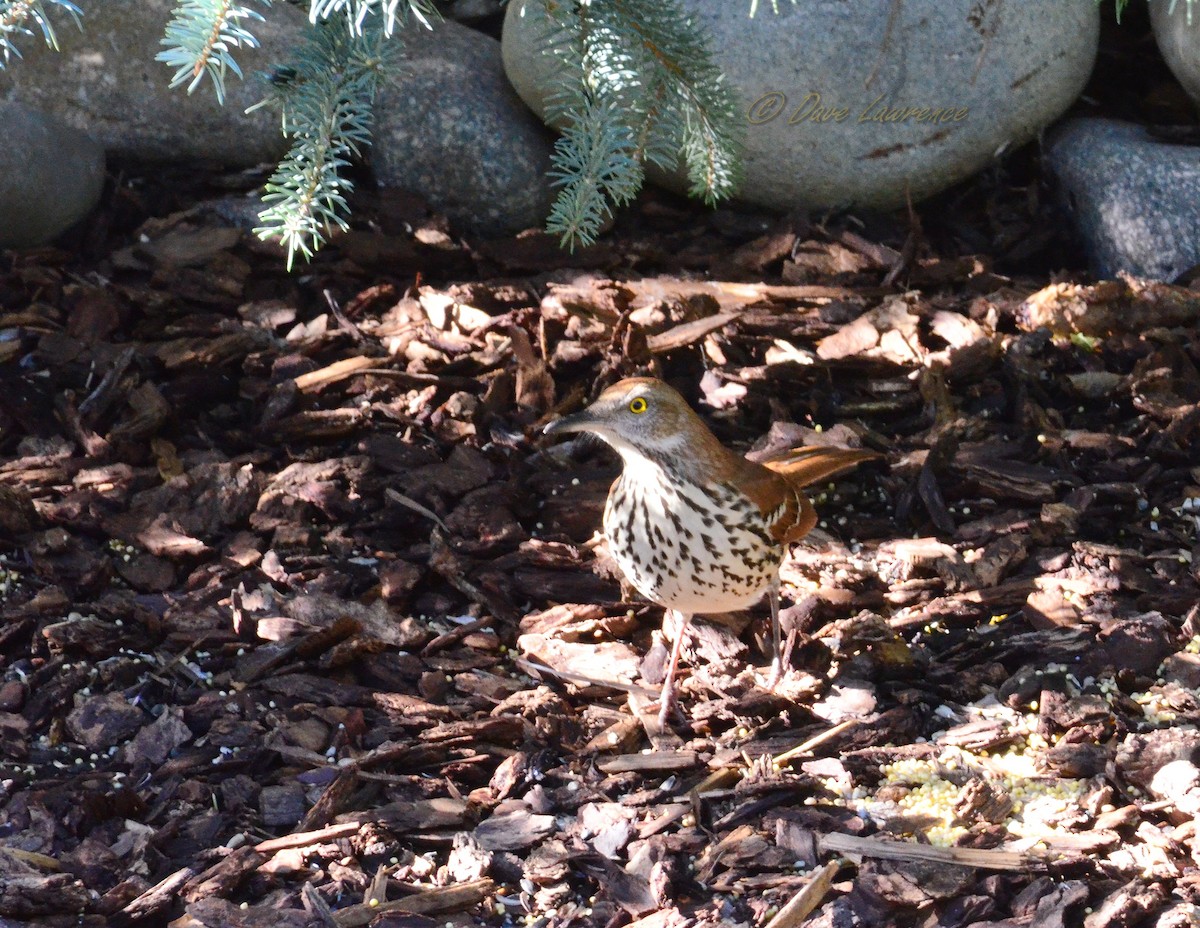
[668, 705]
[778, 663]
[667, 699]
[774, 676]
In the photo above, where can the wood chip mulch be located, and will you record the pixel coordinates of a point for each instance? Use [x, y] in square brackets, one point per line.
[304, 624]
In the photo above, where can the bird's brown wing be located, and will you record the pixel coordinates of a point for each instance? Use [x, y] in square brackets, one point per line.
[805, 466]
[776, 485]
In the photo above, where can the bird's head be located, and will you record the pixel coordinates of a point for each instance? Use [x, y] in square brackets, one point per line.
[641, 418]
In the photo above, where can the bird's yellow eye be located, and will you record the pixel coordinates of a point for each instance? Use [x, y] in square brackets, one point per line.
[637, 405]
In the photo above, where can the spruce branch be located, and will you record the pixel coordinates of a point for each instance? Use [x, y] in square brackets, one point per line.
[1171, 8]
[695, 109]
[774, 6]
[595, 162]
[200, 39]
[16, 17]
[639, 83]
[325, 97]
[395, 12]
[1121, 4]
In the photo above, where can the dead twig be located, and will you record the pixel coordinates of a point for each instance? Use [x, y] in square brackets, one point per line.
[906, 850]
[801, 905]
[532, 667]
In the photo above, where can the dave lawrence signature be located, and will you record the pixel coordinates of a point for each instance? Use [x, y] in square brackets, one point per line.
[773, 104]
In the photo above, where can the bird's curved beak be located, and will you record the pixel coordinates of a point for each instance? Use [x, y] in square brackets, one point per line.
[579, 422]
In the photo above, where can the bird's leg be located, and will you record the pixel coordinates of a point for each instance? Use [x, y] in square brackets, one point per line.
[776, 638]
[667, 699]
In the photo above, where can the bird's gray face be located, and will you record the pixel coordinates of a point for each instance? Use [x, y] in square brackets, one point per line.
[638, 417]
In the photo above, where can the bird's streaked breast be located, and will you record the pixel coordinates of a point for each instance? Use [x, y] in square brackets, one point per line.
[698, 549]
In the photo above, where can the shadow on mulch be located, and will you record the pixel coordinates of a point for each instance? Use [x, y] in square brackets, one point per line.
[303, 624]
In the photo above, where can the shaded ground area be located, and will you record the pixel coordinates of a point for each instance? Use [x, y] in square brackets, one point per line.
[302, 624]
[284, 562]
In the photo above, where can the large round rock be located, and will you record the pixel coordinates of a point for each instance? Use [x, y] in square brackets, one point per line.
[449, 127]
[1177, 31]
[1134, 199]
[106, 82]
[51, 176]
[867, 102]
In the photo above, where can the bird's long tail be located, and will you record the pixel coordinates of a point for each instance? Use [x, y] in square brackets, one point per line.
[805, 466]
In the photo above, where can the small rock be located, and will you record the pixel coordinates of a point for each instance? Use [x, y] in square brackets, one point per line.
[449, 127]
[1135, 201]
[828, 127]
[51, 176]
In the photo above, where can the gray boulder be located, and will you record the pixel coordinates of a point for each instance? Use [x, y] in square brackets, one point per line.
[51, 176]
[106, 82]
[869, 102]
[1178, 37]
[1135, 201]
[470, 11]
[449, 127]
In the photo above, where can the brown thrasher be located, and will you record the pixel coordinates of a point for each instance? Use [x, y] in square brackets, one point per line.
[695, 527]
